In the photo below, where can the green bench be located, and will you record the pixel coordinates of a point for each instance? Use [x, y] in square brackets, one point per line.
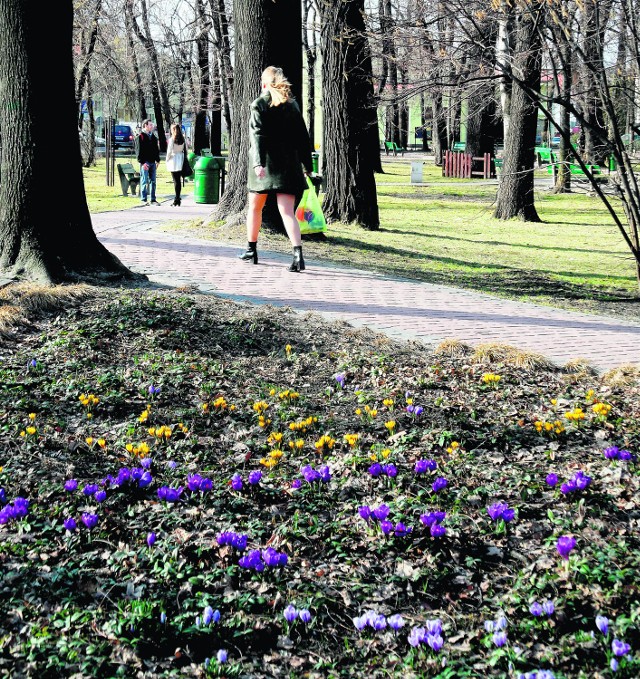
[394, 148]
[129, 178]
[459, 147]
[544, 155]
[576, 169]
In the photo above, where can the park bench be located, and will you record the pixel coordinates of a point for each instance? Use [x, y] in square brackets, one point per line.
[459, 147]
[394, 148]
[544, 155]
[575, 169]
[129, 178]
[465, 166]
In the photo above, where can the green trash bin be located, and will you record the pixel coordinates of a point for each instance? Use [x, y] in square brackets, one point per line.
[208, 172]
[315, 162]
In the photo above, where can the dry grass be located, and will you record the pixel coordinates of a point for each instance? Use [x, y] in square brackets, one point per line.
[580, 367]
[18, 302]
[508, 355]
[622, 376]
[453, 348]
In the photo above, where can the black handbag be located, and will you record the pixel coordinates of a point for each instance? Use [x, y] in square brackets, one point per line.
[186, 168]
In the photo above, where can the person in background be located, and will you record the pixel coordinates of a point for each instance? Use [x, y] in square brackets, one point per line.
[279, 147]
[148, 157]
[176, 151]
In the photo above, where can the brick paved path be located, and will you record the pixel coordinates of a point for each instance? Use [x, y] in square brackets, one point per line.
[400, 308]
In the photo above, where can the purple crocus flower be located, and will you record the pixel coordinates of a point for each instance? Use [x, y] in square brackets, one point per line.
[325, 473]
[564, 546]
[437, 531]
[390, 470]
[296, 483]
[501, 623]
[381, 512]
[146, 462]
[433, 517]
[535, 609]
[602, 623]
[206, 485]
[375, 469]
[340, 379]
[552, 480]
[501, 511]
[70, 524]
[434, 626]
[625, 455]
[136, 473]
[423, 466]
[359, 623]
[193, 482]
[548, 607]
[396, 622]
[614, 664]
[417, 636]
[386, 527]
[401, 529]
[418, 411]
[611, 453]
[71, 485]
[379, 622]
[255, 477]
[169, 494]
[304, 615]
[145, 480]
[153, 390]
[500, 638]
[439, 484]
[89, 520]
[100, 496]
[222, 656]
[209, 616]
[151, 539]
[435, 641]
[91, 489]
[365, 512]
[236, 482]
[620, 648]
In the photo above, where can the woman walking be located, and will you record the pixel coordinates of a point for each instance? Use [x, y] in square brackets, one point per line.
[279, 148]
[176, 150]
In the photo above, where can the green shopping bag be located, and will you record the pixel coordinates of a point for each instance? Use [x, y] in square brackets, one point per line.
[309, 212]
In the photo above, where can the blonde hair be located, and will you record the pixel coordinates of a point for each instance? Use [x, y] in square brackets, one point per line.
[279, 87]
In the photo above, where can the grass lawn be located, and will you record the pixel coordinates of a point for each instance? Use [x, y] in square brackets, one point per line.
[445, 233]
[214, 489]
[103, 198]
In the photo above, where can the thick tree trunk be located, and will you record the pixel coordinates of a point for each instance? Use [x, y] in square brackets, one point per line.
[439, 130]
[350, 119]
[516, 195]
[45, 226]
[267, 33]
[563, 179]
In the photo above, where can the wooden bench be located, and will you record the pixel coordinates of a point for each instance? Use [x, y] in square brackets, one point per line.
[465, 166]
[129, 178]
[392, 146]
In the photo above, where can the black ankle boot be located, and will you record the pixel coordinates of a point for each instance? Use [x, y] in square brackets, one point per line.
[251, 253]
[298, 261]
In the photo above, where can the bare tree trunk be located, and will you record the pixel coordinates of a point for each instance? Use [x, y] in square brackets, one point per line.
[503, 59]
[350, 118]
[516, 195]
[200, 137]
[84, 71]
[161, 107]
[140, 92]
[215, 130]
[32, 244]
[223, 49]
[91, 157]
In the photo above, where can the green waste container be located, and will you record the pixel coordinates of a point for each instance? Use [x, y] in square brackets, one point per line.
[315, 162]
[208, 175]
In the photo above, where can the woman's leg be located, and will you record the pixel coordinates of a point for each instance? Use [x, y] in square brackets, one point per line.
[254, 215]
[286, 207]
[177, 180]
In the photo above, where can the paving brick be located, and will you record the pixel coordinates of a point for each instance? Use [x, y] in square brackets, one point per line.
[399, 307]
